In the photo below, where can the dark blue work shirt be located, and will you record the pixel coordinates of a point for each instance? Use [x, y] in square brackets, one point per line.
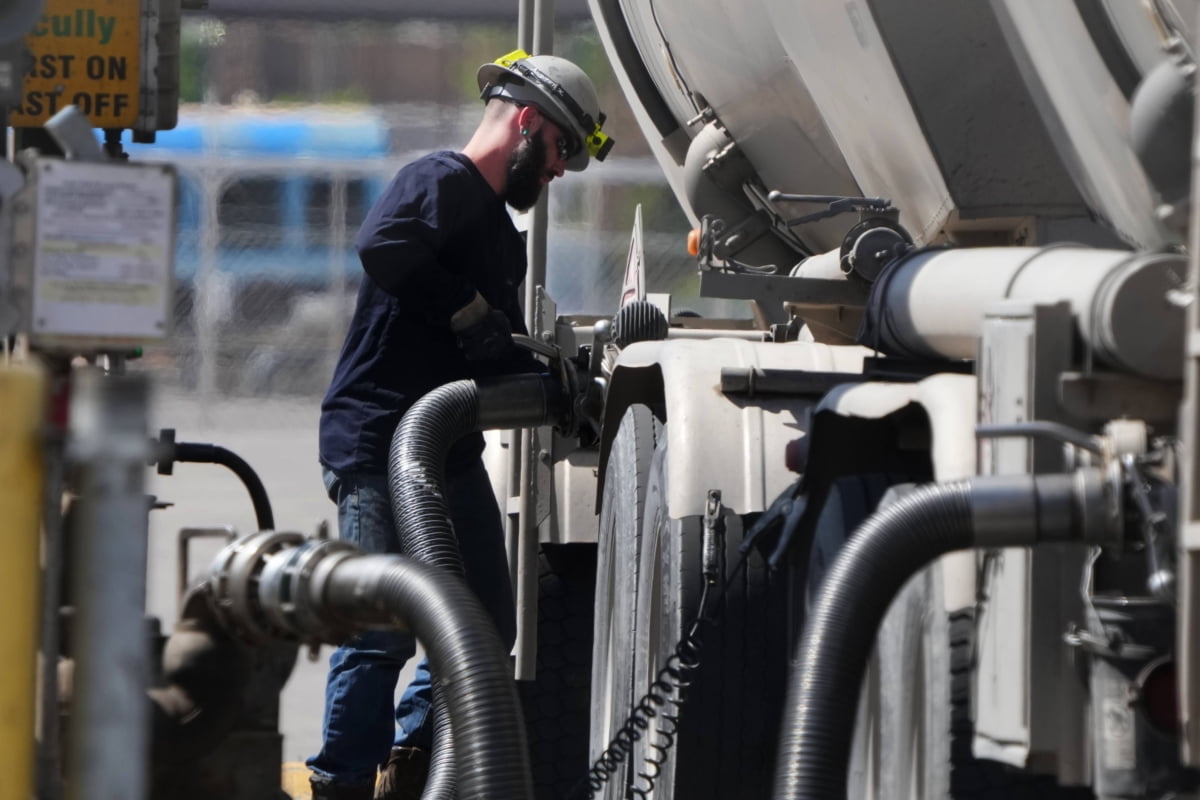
[437, 234]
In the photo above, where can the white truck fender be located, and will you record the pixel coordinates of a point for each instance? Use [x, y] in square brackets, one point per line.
[734, 443]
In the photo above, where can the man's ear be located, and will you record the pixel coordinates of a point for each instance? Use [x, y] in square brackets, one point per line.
[527, 119]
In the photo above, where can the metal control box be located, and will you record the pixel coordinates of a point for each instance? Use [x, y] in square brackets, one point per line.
[92, 254]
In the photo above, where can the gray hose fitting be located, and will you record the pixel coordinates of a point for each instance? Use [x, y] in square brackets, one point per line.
[876, 562]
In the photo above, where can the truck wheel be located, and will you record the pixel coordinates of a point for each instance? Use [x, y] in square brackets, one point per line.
[555, 703]
[723, 744]
[626, 476]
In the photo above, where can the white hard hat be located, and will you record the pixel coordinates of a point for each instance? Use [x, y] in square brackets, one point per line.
[559, 89]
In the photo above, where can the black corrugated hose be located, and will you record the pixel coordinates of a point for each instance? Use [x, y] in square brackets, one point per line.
[876, 562]
[416, 483]
[416, 463]
[464, 651]
[197, 453]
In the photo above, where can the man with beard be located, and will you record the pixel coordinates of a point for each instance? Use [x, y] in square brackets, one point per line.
[438, 303]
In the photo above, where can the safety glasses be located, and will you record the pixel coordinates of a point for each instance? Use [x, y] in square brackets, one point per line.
[563, 147]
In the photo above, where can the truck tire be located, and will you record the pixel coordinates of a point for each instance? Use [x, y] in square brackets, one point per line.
[618, 547]
[723, 745]
[555, 703]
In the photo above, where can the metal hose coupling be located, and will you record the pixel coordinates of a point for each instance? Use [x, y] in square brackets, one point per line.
[876, 562]
[272, 585]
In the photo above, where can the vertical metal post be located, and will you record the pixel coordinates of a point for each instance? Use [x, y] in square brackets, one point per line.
[1187, 645]
[516, 438]
[21, 397]
[539, 216]
[525, 13]
[527, 552]
[108, 446]
[337, 265]
[205, 308]
[49, 771]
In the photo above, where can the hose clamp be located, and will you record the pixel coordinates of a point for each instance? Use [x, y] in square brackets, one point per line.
[286, 593]
[233, 583]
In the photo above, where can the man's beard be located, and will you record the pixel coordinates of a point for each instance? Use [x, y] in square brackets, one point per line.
[526, 165]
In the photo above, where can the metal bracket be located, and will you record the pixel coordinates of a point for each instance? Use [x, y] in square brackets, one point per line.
[183, 551]
[714, 538]
[835, 205]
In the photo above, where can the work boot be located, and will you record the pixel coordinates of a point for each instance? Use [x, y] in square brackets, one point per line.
[403, 776]
[322, 789]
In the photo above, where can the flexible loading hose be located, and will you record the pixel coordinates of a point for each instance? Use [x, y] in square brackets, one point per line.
[416, 463]
[273, 585]
[464, 651]
[416, 481]
[838, 638]
[876, 562]
[196, 453]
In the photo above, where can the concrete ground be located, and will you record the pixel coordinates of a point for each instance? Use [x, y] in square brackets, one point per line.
[278, 438]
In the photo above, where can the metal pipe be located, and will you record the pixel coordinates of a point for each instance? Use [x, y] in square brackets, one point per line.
[516, 478]
[887, 550]
[512, 522]
[271, 585]
[526, 587]
[205, 676]
[49, 766]
[205, 292]
[525, 12]
[932, 303]
[22, 390]
[109, 737]
[753, 381]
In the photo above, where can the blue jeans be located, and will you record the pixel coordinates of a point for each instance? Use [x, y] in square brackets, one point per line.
[359, 730]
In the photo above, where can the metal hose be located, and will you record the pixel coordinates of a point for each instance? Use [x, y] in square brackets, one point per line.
[416, 462]
[464, 651]
[876, 562]
[272, 585]
[416, 481]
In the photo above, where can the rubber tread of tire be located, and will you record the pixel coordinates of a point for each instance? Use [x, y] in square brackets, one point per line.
[557, 704]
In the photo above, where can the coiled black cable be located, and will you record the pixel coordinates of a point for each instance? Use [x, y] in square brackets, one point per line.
[662, 701]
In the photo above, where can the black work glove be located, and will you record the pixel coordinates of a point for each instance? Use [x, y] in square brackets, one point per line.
[484, 333]
[488, 339]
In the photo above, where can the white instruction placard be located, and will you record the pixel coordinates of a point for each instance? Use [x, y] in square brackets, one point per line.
[103, 251]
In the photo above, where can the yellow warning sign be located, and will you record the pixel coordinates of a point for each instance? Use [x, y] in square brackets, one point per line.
[86, 53]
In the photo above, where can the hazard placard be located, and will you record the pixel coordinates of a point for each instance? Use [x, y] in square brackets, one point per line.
[86, 53]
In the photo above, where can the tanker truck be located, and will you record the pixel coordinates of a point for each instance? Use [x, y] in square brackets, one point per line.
[925, 527]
